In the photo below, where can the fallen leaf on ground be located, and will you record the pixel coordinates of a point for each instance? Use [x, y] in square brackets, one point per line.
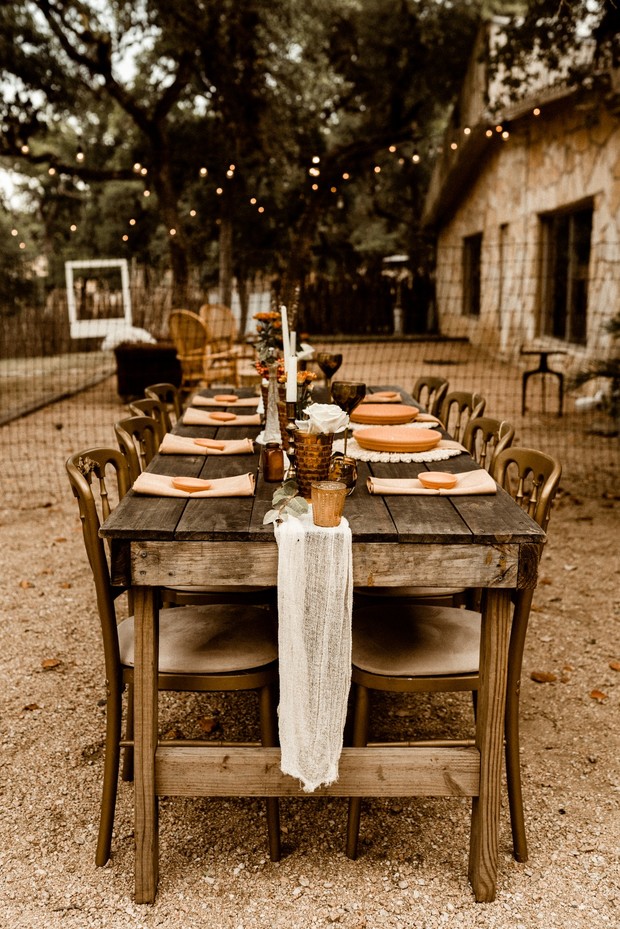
[25, 584]
[32, 706]
[175, 734]
[614, 665]
[543, 677]
[48, 664]
[65, 585]
[598, 695]
[60, 538]
[209, 723]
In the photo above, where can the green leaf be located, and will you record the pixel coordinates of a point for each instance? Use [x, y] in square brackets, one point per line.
[279, 496]
[271, 516]
[297, 506]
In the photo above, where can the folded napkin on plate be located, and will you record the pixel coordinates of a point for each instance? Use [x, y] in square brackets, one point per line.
[315, 586]
[184, 445]
[192, 417]
[471, 482]
[383, 396]
[160, 485]
[198, 400]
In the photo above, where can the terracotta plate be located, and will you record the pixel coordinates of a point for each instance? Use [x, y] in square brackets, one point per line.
[397, 440]
[374, 414]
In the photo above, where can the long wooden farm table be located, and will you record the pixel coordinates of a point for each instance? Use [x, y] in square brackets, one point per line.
[470, 541]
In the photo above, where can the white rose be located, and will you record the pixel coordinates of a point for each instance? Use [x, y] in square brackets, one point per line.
[326, 417]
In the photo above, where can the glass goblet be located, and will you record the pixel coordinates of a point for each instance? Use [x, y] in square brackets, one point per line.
[348, 395]
[329, 363]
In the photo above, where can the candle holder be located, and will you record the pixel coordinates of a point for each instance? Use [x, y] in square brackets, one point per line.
[291, 415]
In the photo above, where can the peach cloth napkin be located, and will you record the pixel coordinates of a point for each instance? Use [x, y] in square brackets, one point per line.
[160, 485]
[185, 445]
[192, 417]
[198, 400]
[471, 482]
[427, 418]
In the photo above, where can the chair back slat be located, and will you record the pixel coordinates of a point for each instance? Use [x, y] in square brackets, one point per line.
[138, 439]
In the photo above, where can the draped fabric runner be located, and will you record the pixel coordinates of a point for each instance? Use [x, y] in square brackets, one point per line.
[315, 588]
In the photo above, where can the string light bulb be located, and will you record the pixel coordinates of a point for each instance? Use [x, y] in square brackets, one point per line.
[137, 166]
[203, 172]
[219, 191]
[25, 148]
[132, 222]
[392, 149]
[144, 171]
[489, 133]
[466, 131]
[192, 212]
[453, 146]
[51, 171]
[415, 158]
[146, 193]
[377, 169]
[22, 245]
[315, 159]
[173, 231]
[125, 238]
[14, 232]
[346, 176]
[79, 155]
[536, 111]
[73, 227]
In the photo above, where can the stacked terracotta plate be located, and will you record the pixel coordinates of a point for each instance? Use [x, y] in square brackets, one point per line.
[397, 439]
[376, 414]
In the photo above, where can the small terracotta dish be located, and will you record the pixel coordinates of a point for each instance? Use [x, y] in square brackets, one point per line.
[190, 484]
[226, 398]
[210, 443]
[437, 479]
[390, 414]
[223, 417]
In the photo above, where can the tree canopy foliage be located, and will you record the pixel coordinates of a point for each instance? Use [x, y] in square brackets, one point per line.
[286, 131]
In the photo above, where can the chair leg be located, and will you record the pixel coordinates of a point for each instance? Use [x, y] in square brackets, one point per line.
[360, 738]
[513, 778]
[511, 723]
[269, 737]
[110, 773]
[127, 770]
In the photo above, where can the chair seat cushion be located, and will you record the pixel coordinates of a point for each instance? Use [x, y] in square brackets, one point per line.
[416, 641]
[209, 639]
[405, 593]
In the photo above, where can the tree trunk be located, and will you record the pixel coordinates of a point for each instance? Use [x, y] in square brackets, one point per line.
[244, 297]
[226, 272]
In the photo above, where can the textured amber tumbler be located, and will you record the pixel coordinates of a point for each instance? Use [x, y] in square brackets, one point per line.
[312, 458]
[328, 502]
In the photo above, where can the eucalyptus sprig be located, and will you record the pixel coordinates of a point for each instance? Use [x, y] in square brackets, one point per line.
[286, 502]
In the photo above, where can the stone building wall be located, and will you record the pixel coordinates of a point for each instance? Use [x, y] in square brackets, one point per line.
[568, 154]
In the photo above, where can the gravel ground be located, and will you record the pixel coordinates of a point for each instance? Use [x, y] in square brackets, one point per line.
[214, 868]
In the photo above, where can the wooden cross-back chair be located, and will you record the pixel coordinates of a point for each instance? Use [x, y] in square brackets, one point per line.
[201, 649]
[429, 391]
[167, 394]
[157, 410]
[456, 410]
[485, 437]
[408, 648]
[138, 439]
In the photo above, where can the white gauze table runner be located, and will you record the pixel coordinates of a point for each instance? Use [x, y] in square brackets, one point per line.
[315, 597]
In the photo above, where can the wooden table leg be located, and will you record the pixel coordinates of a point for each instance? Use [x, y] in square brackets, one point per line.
[145, 746]
[484, 839]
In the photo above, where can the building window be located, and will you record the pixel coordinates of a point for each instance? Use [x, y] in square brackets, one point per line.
[472, 252]
[566, 255]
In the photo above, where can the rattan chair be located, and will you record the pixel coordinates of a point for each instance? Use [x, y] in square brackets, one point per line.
[204, 649]
[157, 410]
[485, 437]
[456, 410]
[416, 649]
[202, 361]
[167, 394]
[429, 392]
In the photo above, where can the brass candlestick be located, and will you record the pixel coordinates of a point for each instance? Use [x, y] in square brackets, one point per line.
[291, 415]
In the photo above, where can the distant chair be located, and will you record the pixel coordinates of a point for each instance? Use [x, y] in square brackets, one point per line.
[485, 437]
[202, 363]
[156, 409]
[429, 392]
[167, 394]
[223, 331]
[457, 408]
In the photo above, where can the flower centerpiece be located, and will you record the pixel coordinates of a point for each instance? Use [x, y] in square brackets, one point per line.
[314, 437]
[268, 343]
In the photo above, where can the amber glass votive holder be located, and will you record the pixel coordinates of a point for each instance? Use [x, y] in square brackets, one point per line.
[328, 502]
